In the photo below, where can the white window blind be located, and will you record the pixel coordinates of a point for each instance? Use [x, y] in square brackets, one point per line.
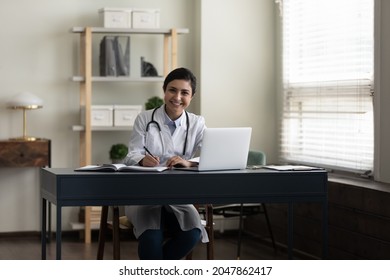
[328, 83]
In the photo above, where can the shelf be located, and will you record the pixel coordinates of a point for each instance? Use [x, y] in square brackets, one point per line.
[119, 79]
[162, 31]
[102, 128]
[85, 79]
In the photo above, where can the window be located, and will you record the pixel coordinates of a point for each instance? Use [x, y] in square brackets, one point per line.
[328, 64]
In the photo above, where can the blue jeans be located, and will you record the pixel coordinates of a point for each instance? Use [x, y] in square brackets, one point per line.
[169, 242]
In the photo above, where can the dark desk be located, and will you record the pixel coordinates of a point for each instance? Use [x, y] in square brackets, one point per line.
[64, 187]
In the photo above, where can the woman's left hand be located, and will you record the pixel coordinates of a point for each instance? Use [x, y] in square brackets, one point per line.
[177, 161]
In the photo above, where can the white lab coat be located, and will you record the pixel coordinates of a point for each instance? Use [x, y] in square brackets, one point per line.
[165, 146]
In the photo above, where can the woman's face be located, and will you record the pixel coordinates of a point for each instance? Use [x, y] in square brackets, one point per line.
[177, 97]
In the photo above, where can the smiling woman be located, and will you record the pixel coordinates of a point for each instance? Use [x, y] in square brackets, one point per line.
[167, 136]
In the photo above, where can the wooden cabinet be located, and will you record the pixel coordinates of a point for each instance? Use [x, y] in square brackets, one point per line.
[20, 153]
[86, 80]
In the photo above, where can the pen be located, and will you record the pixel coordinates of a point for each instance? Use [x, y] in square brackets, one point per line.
[146, 149]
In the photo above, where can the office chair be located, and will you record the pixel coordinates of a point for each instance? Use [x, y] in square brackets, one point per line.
[119, 223]
[242, 210]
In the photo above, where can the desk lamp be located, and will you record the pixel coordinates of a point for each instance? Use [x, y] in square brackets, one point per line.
[25, 101]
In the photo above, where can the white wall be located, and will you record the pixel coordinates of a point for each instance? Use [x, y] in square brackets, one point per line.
[238, 68]
[382, 95]
[39, 54]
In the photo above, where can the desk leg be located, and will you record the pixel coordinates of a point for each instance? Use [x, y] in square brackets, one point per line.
[58, 233]
[49, 222]
[43, 233]
[325, 237]
[102, 232]
[290, 231]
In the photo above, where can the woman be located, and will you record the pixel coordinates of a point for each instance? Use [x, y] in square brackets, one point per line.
[167, 136]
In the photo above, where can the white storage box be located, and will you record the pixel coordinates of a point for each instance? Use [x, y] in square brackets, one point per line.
[115, 17]
[145, 18]
[101, 115]
[124, 115]
[222, 223]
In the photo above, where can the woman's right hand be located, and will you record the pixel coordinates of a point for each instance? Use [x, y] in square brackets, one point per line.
[150, 161]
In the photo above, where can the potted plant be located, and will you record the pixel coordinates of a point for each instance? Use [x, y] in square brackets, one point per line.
[154, 102]
[118, 152]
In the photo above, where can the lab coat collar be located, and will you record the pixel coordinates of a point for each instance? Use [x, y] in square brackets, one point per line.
[178, 122]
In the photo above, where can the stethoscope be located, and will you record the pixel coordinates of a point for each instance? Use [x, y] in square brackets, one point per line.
[152, 121]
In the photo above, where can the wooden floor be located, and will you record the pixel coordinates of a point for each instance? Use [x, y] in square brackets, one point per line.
[28, 247]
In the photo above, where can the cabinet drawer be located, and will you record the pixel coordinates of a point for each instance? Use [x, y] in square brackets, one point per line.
[25, 153]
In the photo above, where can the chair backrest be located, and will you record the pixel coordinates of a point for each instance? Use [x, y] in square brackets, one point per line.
[256, 158]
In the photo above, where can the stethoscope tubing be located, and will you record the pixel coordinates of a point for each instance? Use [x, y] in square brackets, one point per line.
[152, 121]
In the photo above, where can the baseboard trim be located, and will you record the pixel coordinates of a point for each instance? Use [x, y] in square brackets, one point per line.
[21, 234]
[37, 234]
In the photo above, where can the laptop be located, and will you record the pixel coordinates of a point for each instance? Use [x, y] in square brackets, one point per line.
[223, 149]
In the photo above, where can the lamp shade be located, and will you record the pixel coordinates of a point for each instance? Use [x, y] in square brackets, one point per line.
[25, 100]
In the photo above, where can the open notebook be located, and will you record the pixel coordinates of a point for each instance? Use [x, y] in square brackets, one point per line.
[223, 149]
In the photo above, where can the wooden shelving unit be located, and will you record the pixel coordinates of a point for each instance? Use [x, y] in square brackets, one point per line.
[86, 80]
